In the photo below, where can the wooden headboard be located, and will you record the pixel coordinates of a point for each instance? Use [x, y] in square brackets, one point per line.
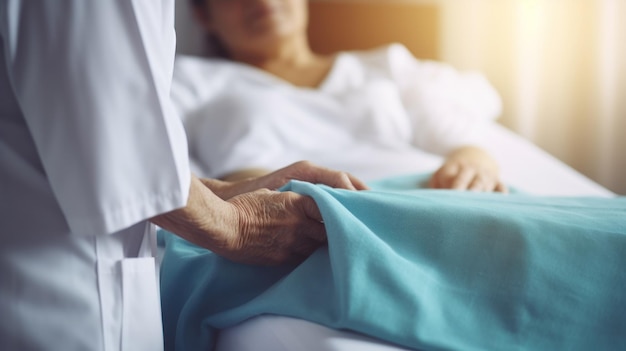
[336, 25]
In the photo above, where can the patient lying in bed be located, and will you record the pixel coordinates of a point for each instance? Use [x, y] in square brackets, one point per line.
[269, 101]
[364, 119]
[375, 114]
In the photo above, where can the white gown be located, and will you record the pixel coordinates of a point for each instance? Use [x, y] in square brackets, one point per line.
[377, 113]
[90, 148]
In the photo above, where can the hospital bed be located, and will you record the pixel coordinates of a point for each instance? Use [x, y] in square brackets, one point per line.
[348, 25]
[523, 165]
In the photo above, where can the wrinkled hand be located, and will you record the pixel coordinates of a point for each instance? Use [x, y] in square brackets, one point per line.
[468, 169]
[261, 227]
[264, 226]
[308, 172]
[273, 228]
[303, 170]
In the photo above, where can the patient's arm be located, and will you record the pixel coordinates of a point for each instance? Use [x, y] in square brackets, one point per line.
[468, 168]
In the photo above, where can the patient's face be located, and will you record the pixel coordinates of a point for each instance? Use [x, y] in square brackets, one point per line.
[250, 25]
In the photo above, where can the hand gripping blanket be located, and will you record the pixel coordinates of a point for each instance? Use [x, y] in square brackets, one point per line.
[425, 269]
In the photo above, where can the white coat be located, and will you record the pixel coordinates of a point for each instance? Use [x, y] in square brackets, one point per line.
[90, 148]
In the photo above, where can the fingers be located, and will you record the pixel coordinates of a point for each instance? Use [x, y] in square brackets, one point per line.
[341, 180]
[459, 176]
[443, 178]
[307, 171]
[501, 188]
[314, 228]
[357, 183]
[308, 232]
[483, 182]
[463, 179]
[307, 206]
[335, 179]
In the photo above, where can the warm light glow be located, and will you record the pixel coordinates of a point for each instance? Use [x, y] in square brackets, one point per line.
[531, 13]
[560, 66]
[529, 24]
[607, 80]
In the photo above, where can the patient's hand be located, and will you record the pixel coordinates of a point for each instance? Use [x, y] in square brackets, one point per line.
[303, 170]
[468, 168]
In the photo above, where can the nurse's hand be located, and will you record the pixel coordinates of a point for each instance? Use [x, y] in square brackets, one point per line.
[272, 228]
[308, 172]
[261, 227]
[468, 168]
[303, 170]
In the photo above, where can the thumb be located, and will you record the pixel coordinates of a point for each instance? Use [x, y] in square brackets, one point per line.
[309, 208]
[315, 228]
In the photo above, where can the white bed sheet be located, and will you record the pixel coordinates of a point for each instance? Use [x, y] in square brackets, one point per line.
[533, 170]
[523, 166]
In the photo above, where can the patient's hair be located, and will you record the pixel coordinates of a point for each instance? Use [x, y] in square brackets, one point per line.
[214, 47]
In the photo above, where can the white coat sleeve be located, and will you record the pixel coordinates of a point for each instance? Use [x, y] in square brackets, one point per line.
[448, 108]
[92, 80]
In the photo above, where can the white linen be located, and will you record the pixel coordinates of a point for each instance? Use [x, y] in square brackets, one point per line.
[376, 114]
[532, 170]
[90, 148]
[276, 333]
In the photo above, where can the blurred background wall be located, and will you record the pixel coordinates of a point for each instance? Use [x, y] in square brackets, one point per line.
[560, 66]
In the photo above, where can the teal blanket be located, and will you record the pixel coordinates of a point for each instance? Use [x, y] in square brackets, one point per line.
[425, 269]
